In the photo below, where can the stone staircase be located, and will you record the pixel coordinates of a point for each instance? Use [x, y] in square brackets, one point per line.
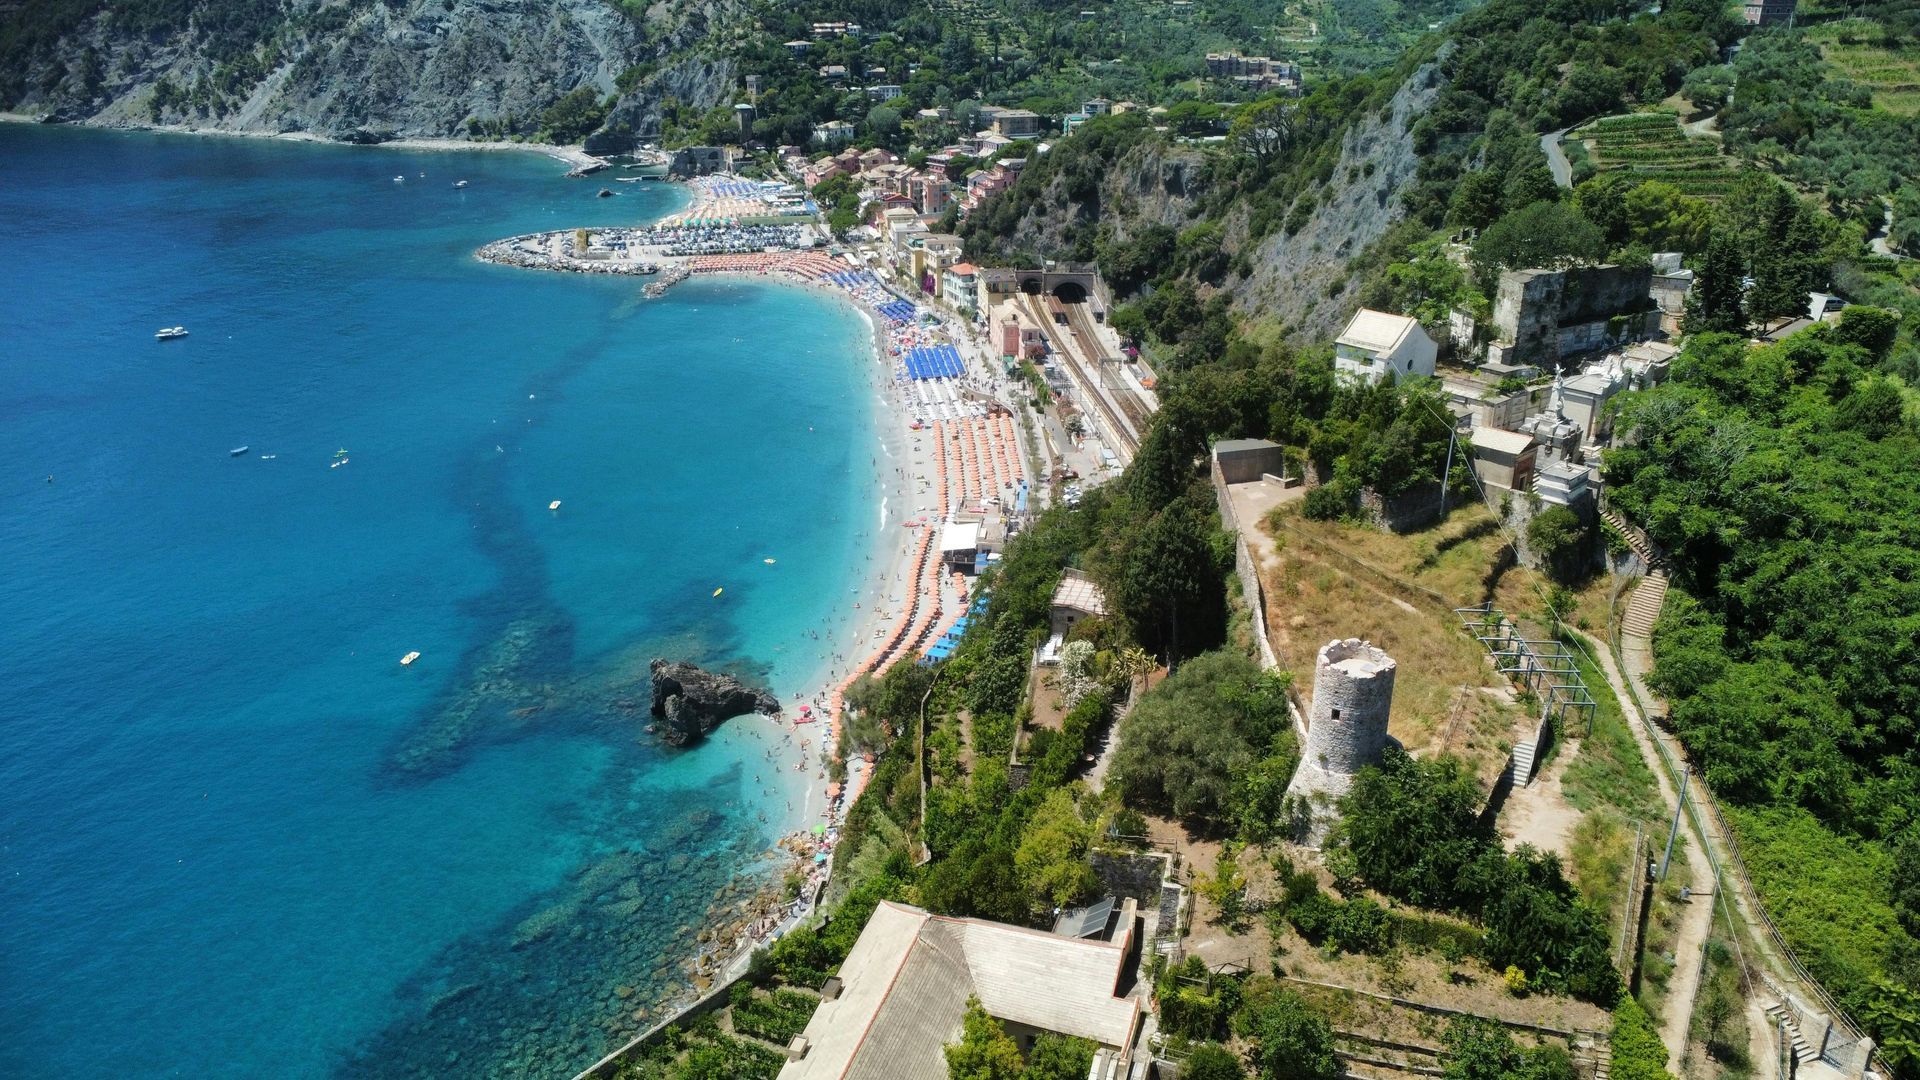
[1802, 1052]
[1643, 610]
[1520, 767]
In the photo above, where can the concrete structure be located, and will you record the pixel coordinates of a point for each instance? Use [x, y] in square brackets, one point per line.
[928, 256]
[698, 161]
[1563, 483]
[902, 994]
[1253, 72]
[1770, 12]
[1017, 124]
[1503, 458]
[1376, 342]
[1557, 436]
[1346, 732]
[1543, 316]
[1242, 461]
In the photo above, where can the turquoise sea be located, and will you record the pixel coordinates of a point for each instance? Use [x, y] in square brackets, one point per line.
[237, 837]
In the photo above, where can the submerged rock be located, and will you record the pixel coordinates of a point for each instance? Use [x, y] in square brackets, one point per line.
[690, 702]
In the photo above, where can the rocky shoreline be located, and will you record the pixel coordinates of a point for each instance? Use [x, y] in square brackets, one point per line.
[689, 702]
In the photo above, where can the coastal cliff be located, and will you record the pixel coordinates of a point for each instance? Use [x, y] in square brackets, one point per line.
[689, 701]
[484, 69]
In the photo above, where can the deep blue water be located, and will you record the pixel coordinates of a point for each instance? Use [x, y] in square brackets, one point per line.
[237, 838]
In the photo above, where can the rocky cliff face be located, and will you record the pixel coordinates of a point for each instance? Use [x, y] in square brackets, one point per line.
[425, 68]
[1301, 280]
[689, 702]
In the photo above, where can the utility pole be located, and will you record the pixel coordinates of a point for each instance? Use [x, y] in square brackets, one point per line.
[1453, 435]
[1680, 808]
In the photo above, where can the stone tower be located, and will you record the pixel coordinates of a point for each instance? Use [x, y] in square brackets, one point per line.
[1352, 693]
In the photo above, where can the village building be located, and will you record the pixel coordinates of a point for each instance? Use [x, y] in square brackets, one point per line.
[833, 133]
[902, 994]
[960, 287]
[1376, 343]
[1503, 459]
[1017, 124]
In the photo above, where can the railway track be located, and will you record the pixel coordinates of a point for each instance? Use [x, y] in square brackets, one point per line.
[1109, 416]
[1129, 403]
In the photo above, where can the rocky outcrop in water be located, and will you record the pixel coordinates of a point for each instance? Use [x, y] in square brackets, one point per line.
[688, 702]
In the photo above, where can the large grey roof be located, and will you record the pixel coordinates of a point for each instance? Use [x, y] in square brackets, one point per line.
[908, 978]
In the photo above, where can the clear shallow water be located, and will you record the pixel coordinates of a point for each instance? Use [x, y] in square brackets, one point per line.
[235, 835]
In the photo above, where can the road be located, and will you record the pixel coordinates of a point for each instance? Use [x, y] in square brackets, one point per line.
[1557, 158]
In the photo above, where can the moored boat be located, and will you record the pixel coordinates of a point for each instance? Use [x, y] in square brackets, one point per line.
[168, 333]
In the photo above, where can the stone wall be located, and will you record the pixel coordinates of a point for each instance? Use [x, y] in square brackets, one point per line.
[1544, 315]
[1253, 594]
[1415, 508]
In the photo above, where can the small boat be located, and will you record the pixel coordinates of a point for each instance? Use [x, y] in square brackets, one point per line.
[238, 450]
[168, 333]
[459, 183]
[605, 193]
[342, 452]
[268, 457]
[399, 179]
[554, 505]
[410, 658]
[769, 562]
[338, 463]
[719, 590]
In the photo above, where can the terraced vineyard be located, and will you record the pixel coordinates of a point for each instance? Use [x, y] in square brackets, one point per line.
[1653, 147]
[1892, 73]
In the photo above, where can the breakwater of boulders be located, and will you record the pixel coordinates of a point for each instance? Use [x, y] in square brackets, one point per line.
[535, 251]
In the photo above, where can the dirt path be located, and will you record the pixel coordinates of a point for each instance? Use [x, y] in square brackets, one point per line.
[1689, 945]
[1539, 813]
[1696, 921]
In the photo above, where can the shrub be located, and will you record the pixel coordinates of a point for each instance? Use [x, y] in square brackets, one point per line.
[1638, 1053]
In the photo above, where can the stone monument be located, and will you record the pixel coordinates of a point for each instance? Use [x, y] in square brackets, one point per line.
[1346, 731]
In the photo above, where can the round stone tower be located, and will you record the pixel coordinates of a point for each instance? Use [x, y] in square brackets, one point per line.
[1346, 731]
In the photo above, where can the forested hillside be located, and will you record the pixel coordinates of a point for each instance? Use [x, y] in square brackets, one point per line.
[1780, 478]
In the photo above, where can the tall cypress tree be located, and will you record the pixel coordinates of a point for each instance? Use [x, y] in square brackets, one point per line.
[1715, 305]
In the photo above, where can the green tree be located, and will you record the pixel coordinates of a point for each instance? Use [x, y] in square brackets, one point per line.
[1212, 1061]
[1545, 235]
[1188, 745]
[985, 1050]
[1717, 304]
[1558, 537]
[1292, 1042]
[1638, 1053]
[1060, 1057]
[1052, 856]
